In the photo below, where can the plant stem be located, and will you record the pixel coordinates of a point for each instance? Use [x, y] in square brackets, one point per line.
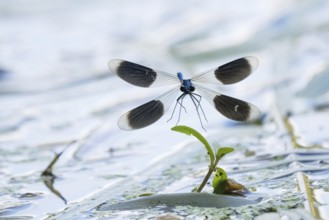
[205, 180]
[212, 168]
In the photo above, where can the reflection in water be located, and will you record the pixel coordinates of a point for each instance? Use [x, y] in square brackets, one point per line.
[49, 182]
[49, 178]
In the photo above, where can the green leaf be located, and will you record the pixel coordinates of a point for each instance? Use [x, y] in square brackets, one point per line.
[219, 181]
[221, 152]
[190, 131]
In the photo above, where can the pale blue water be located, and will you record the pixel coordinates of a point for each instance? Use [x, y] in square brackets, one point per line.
[55, 87]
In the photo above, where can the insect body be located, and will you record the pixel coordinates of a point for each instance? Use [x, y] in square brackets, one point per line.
[152, 111]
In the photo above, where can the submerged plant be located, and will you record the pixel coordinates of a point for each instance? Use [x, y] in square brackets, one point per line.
[220, 182]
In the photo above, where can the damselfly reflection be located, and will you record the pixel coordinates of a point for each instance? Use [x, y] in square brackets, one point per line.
[152, 111]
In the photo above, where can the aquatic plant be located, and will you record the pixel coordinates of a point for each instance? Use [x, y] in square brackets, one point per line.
[220, 183]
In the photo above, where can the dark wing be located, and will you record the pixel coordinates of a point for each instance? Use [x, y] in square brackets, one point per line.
[139, 75]
[229, 73]
[147, 113]
[231, 108]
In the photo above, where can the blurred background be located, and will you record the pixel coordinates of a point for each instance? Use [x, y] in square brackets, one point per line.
[55, 85]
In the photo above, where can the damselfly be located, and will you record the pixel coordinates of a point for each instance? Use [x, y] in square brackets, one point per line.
[152, 111]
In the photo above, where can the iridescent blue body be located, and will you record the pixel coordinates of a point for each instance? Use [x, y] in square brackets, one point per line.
[188, 89]
[186, 86]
